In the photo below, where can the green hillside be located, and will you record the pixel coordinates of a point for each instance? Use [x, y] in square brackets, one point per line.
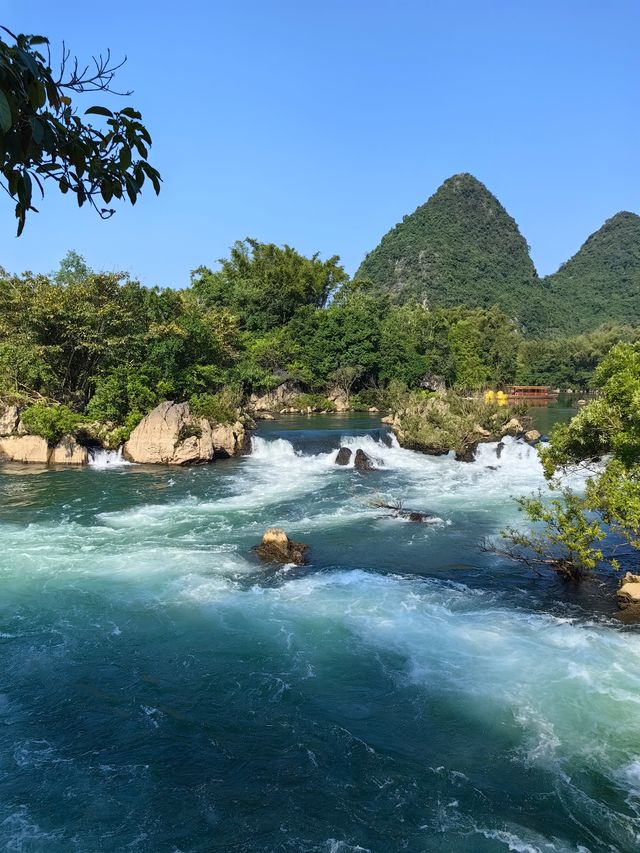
[601, 282]
[461, 247]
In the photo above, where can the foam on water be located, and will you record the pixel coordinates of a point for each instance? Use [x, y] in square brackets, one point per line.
[103, 459]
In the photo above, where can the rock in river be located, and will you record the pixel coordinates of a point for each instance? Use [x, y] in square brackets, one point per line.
[276, 547]
[363, 461]
[344, 456]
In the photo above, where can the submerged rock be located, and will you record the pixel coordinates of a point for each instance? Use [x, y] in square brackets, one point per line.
[629, 591]
[363, 462]
[344, 456]
[276, 547]
[467, 453]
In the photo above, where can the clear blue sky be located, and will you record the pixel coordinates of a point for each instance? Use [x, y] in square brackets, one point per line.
[320, 123]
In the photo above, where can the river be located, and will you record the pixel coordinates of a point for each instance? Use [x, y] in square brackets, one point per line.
[163, 691]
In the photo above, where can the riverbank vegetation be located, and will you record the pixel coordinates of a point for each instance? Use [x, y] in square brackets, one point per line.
[108, 348]
[575, 533]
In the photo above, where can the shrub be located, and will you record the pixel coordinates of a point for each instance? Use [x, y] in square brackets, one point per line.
[220, 408]
[50, 422]
[316, 402]
[189, 431]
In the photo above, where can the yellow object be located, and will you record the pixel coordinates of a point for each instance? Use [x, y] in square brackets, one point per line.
[501, 398]
[489, 396]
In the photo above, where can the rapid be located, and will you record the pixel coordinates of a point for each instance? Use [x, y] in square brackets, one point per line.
[161, 690]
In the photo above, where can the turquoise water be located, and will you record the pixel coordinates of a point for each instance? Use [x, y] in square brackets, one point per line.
[162, 691]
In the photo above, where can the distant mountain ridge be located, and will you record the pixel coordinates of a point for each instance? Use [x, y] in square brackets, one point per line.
[462, 248]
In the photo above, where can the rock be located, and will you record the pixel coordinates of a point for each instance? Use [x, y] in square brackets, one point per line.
[629, 592]
[581, 403]
[69, 452]
[339, 400]
[432, 382]
[467, 453]
[373, 410]
[265, 416]
[278, 399]
[512, 427]
[363, 461]
[276, 547]
[499, 449]
[170, 435]
[532, 436]
[9, 419]
[229, 440]
[388, 419]
[344, 456]
[483, 433]
[25, 448]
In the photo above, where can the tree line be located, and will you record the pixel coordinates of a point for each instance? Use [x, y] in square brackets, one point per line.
[110, 348]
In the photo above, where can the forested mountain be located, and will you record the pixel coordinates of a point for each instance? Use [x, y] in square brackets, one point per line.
[460, 248]
[463, 248]
[601, 282]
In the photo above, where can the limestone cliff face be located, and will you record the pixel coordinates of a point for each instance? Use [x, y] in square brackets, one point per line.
[172, 435]
[33, 449]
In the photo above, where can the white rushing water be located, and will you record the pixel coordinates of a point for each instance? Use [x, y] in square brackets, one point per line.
[390, 695]
[107, 458]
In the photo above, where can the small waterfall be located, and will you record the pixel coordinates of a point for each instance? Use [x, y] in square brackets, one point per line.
[277, 450]
[509, 453]
[101, 459]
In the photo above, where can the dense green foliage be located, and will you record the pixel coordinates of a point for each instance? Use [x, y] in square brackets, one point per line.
[605, 437]
[462, 248]
[42, 137]
[600, 283]
[110, 349]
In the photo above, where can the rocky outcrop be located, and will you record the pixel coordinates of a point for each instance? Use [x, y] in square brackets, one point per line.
[33, 449]
[69, 452]
[513, 427]
[276, 400]
[432, 382]
[344, 456]
[629, 591]
[363, 462]
[276, 547]
[9, 419]
[25, 448]
[339, 400]
[172, 435]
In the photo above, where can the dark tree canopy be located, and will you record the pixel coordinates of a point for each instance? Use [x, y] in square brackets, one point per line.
[43, 138]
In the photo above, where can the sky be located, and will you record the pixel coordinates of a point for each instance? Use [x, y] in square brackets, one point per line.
[321, 123]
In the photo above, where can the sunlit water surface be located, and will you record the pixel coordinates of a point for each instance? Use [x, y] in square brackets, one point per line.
[163, 691]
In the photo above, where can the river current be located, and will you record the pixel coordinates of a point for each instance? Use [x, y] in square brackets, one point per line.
[161, 690]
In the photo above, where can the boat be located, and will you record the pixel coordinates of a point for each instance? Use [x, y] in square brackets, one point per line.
[531, 393]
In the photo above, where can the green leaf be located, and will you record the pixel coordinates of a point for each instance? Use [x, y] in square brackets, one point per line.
[98, 111]
[5, 113]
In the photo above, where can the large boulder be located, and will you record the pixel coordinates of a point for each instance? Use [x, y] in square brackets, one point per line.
[25, 448]
[276, 547]
[69, 452]
[170, 435]
[343, 456]
[9, 419]
[629, 592]
[363, 462]
[229, 439]
[532, 436]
